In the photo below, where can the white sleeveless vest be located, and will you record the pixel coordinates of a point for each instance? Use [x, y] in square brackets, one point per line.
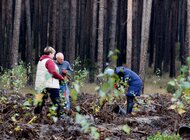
[43, 78]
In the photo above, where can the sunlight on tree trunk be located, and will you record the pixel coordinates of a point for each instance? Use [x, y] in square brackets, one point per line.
[101, 35]
[147, 6]
[129, 32]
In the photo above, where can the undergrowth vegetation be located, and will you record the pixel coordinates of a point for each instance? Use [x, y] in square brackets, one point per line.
[180, 88]
[15, 78]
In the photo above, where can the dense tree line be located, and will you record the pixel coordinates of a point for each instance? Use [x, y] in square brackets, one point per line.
[146, 32]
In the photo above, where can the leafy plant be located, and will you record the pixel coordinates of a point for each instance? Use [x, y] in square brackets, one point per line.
[80, 73]
[53, 113]
[107, 87]
[15, 78]
[126, 129]
[159, 136]
[86, 127]
[180, 87]
[79, 78]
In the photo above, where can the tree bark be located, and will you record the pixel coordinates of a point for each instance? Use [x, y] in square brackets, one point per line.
[167, 40]
[44, 23]
[173, 39]
[9, 32]
[129, 33]
[29, 42]
[100, 35]
[188, 27]
[1, 35]
[147, 6]
[93, 41]
[106, 33]
[36, 31]
[66, 28]
[52, 26]
[183, 48]
[72, 41]
[137, 20]
[59, 31]
[112, 30]
[16, 33]
[121, 32]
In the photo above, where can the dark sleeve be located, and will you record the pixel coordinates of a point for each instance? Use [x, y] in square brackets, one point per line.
[70, 70]
[50, 65]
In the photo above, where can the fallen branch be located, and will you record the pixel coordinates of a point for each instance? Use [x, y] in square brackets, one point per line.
[141, 132]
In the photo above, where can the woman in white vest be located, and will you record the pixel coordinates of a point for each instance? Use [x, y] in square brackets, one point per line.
[47, 80]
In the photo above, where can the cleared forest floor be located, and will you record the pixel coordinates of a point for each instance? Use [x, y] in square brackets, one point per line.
[151, 115]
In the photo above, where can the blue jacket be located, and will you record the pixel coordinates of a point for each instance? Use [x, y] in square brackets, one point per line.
[133, 80]
[65, 66]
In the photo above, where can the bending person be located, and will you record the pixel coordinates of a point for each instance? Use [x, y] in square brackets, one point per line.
[134, 83]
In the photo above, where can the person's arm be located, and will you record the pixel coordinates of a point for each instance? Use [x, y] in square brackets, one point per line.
[69, 68]
[50, 65]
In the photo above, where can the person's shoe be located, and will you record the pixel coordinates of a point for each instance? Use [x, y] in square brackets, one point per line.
[37, 110]
[117, 109]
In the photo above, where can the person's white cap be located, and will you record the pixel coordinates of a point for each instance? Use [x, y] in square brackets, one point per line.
[109, 71]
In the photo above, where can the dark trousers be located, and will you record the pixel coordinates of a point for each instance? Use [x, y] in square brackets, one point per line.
[130, 103]
[54, 95]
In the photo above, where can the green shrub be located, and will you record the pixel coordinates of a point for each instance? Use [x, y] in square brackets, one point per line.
[171, 88]
[159, 136]
[15, 78]
[180, 87]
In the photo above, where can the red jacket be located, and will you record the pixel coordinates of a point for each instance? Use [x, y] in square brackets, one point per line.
[50, 65]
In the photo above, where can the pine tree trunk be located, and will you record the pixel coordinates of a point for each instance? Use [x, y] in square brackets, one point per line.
[3, 56]
[173, 39]
[29, 41]
[59, 36]
[106, 33]
[100, 35]
[137, 21]
[1, 34]
[36, 31]
[167, 42]
[129, 33]
[93, 41]
[183, 50]
[44, 26]
[16, 33]
[9, 32]
[112, 30]
[52, 26]
[147, 6]
[72, 41]
[66, 28]
[121, 35]
[188, 27]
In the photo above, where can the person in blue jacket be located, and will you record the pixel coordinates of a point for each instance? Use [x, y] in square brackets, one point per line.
[134, 85]
[65, 70]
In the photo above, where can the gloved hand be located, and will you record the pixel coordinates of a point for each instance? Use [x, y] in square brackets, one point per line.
[116, 86]
[61, 82]
[64, 72]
